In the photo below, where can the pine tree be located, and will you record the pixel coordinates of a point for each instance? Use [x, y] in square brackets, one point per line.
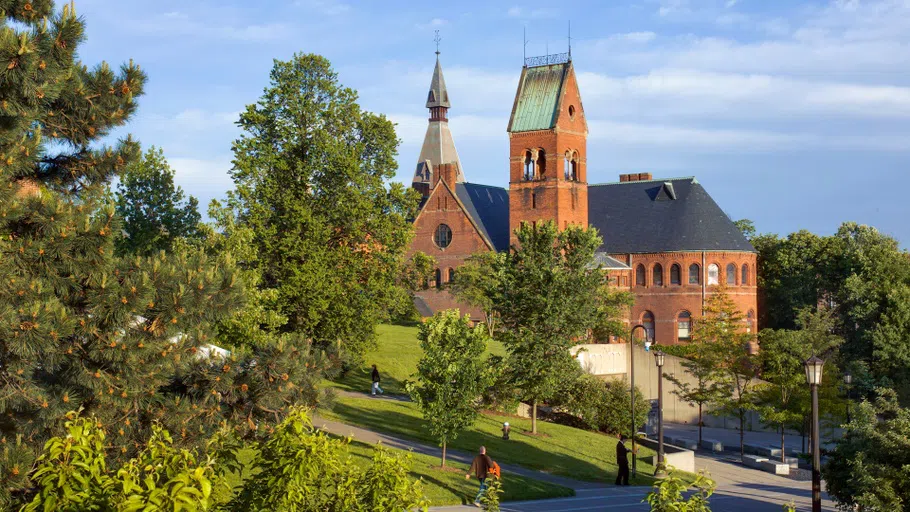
[154, 212]
[121, 338]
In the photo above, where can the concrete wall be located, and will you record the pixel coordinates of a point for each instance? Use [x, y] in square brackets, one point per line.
[612, 361]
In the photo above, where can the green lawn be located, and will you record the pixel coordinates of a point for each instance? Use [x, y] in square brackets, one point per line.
[450, 487]
[439, 486]
[396, 358]
[557, 449]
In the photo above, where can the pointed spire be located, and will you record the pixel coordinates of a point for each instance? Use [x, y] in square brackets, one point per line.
[438, 96]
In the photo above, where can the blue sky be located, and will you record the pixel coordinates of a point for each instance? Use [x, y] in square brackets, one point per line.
[792, 114]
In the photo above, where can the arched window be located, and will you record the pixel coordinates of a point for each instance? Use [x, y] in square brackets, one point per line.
[657, 275]
[438, 278]
[640, 275]
[683, 325]
[541, 164]
[567, 166]
[731, 274]
[529, 166]
[575, 167]
[675, 277]
[647, 320]
[713, 274]
[745, 277]
[750, 320]
[443, 236]
[451, 274]
[694, 274]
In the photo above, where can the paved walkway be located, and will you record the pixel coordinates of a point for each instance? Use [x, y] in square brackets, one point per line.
[730, 438]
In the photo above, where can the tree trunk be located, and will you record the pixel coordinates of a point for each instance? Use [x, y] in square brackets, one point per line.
[700, 424]
[443, 454]
[534, 417]
[783, 451]
[742, 435]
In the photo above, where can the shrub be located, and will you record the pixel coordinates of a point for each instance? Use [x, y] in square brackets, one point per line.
[667, 494]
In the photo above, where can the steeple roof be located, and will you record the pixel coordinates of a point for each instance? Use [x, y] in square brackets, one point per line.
[438, 95]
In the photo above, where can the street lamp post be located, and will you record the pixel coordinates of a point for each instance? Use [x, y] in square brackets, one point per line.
[660, 471]
[632, 386]
[848, 379]
[814, 378]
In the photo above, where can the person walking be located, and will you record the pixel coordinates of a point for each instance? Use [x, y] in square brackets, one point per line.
[622, 460]
[375, 376]
[481, 467]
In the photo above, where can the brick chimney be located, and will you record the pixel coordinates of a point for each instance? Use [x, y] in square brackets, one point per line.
[638, 176]
[446, 172]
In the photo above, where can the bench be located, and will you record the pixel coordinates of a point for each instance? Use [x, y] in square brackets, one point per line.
[711, 444]
[763, 464]
[688, 444]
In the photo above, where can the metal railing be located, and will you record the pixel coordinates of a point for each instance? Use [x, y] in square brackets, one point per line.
[546, 60]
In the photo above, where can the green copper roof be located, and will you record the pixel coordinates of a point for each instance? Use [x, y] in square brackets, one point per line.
[537, 102]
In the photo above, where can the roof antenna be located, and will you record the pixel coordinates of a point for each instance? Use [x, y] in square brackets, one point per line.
[437, 39]
[570, 39]
[524, 49]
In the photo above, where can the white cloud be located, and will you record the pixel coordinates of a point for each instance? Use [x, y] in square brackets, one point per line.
[205, 179]
[635, 37]
[514, 12]
[433, 23]
[540, 13]
[179, 23]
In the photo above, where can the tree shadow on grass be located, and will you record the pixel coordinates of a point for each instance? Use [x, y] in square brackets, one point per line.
[361, 380]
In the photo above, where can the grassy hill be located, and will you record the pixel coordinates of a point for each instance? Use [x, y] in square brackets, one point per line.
[557, 449]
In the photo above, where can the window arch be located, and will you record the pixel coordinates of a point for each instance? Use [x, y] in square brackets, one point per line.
[567, 166]
[541, 164]
[713, 274]
[675, 275]
[657, 275]
[647, 320]
[443, 236]
[745, 277]
[683, 325]
[438, 278]
[731, 274]
[451, 274]
[529, 166]
[694, 274]
[640, 275]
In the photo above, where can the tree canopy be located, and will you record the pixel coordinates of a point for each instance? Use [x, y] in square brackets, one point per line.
[312, 173]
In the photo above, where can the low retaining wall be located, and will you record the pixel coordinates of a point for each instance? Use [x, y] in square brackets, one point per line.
[674, 456]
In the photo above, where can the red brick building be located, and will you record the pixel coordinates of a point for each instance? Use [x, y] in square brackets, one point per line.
[666, 240]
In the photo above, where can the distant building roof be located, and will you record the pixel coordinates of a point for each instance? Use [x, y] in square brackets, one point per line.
[489, 207]
[537, 100]
[603, 260]
[661, 216]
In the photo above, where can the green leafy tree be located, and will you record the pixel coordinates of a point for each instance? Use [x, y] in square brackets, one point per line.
[668, 494]
[415, 275]
[492, 495]
[72, 474]
[698, 361]
[868, 467]
[747, 227]
[550, 296]
[723, 329]
[154, 213]
[451, 376]
[313, 175]
[783, 401]
[302, 469]
[891, 340]
[605, 405]
[478, 282]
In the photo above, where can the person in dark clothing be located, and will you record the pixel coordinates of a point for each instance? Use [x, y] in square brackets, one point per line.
[622, 460]
[480, 467]
[375, 376]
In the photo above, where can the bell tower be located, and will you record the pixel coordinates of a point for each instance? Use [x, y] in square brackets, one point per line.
[438, 145]
[548, 137]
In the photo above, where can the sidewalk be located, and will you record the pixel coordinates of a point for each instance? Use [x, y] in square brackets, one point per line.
[730, 438]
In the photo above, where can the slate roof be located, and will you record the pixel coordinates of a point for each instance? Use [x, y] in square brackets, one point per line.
[489, 207]
[661, 216]
[438, 95]
[537, 100]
